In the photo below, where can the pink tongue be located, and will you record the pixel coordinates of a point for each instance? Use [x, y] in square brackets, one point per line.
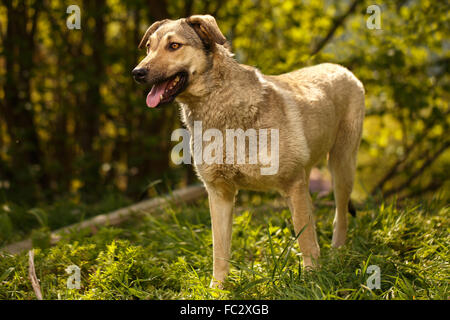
[153, 97]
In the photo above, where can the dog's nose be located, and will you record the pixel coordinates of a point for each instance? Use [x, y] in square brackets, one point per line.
[139, 74]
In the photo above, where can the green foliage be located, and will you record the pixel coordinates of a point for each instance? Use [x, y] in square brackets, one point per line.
[18, 221]
[6, 228]
[169, 256]
[40, 238]
[84, 130]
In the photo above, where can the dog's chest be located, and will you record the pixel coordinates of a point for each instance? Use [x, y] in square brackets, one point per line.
[244, 176]
[213, 132]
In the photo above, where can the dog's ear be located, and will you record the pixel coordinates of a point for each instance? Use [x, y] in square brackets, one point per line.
[207, 29]
[150, 31]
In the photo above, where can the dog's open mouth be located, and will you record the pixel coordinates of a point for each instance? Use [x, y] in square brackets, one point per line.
[166, 90]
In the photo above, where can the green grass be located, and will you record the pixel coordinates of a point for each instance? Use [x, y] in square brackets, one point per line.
[20, 221]
[168, 255]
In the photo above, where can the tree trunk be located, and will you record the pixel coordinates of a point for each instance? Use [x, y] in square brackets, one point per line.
[28, 160]
[91, 106]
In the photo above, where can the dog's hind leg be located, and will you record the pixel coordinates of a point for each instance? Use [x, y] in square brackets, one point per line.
[300, 204]
[342, 164]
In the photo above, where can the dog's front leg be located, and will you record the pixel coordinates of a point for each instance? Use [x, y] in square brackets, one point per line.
[221, 204]
[300, 204]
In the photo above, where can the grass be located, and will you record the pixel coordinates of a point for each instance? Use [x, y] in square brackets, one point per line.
[20, 221]
[168, 255]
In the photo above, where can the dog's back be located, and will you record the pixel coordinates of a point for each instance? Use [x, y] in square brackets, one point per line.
[324, 96]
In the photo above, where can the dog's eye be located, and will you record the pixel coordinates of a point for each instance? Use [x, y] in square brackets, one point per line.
[175, 46]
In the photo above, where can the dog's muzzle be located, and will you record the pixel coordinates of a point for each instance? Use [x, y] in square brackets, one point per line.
[139, 74]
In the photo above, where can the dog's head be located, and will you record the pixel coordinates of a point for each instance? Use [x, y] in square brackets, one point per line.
[178, 53]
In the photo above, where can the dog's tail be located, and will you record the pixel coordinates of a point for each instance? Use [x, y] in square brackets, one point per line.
[351, 208]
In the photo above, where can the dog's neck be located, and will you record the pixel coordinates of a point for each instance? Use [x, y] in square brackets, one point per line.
[228, 93]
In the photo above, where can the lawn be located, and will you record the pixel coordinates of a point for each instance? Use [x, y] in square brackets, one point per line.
[168, 255]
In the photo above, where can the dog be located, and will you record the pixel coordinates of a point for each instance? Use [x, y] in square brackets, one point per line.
[317, 111]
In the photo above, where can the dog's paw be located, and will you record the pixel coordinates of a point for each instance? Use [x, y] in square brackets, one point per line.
[216, 284]
[310, 264]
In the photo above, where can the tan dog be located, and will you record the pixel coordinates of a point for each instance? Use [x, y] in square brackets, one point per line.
[317, 111]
